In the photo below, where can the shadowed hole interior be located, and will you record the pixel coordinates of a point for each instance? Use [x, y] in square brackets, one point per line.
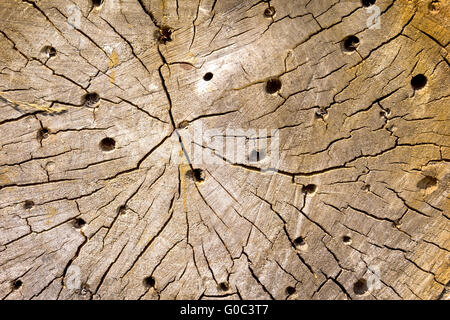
[149, 282]
[224, 286]
[208, 76]
[427, 182]
[199, 175]
[290, 290]
[346, 239]
[360, 287]
[122, 209]
[273, 85]
[91, 99]
[351, 43]
[43, 133]
[16, 284]
[368, 3]
[97, 3]
[28, 204]
[310, 188]
[107, 144]
[78, 223]
[299, 241]
[49, 51]
[256, 156]
[269, 12]
[165, 34]
[418, 82]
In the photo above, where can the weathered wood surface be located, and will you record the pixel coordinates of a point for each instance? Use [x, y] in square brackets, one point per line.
[349, 123]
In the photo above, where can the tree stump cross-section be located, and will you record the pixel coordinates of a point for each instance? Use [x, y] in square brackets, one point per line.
[224, 149]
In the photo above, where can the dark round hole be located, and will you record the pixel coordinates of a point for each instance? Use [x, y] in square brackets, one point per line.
[97, 3]
[198, 175]
[368, 3]
[43, 133]
[360, 287]
[418, 82]
[273, 85]
[351, 43]
[91, 99]
[149, 282]
[224, 286]
[269, 12]
[165, 34]
[122, 209]
[28, 204]
[49, 51]
[310, 188]
[427, 182]
[208, 76]
[107, 144]
[321, 113]
[16, 284]
[347, 239]
[299, 241]
[78, 223]
[290, 290]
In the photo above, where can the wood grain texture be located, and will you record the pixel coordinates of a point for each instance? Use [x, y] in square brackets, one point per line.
[349, 123]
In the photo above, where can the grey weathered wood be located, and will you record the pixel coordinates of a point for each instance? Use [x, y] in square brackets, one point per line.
[379, 157]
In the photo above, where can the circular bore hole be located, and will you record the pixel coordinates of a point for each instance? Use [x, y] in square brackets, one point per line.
[350, 44]
[224, 286]
[347, 239]
[107, 144]
[256, 156]
[165, 34]
[49, 51]
[16, 284]
[91, 99]
[360, 287]
[310, 188]
[149, 282]
[321, 113]
[418, 82]
[78, 223]
[290, 290]
[122, 210]
[299, 241]
[208, 76]
[427, 182]
[197, 174]
[43, 133]
[368, 3]
[28, 204]
[97, 3]
[183, 124]
[273, 85]
[269, 12]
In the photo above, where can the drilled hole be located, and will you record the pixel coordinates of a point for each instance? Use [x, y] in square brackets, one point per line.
[78, 223]
[365, 187]
[360, 287]
[208, 76]
[16, 284]
[28, 204]
[273, 85]
[321, 113]
[418, 82]
[269, 12]
[290, 290]
[350, 44]
[427, 182]
[368, 3]
[91, 99]
[347, 239]
[310, 188]
[149, 282]
[299, 241]
[197, 174]
[165, 34]
[256, 156]
[43, 133]
[122, 210]
[224, 286]
[49, 51]
[107, 144]
[97, 3]
[183, 124]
